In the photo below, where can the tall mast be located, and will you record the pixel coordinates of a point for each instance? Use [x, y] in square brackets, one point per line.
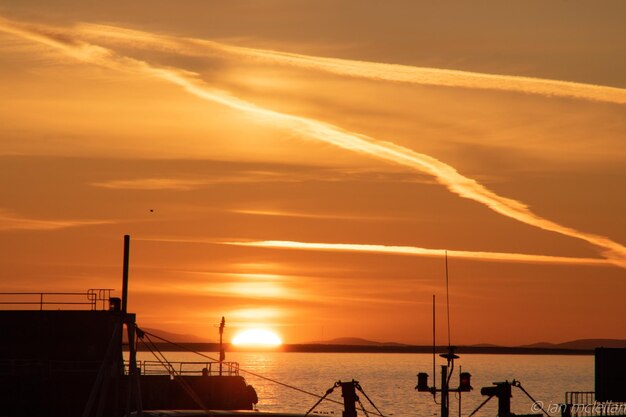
[125, 273]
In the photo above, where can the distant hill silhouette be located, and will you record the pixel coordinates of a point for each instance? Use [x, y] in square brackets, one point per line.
[360, 344]
[354, 341]
[584, 344]
[581, 344]
[486, 345]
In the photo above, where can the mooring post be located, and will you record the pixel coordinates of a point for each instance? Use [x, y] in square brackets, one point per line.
[349, 398]
[504, 400]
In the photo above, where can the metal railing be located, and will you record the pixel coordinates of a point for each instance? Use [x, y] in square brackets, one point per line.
[93, 299]
[583, 403]
[185, 368]
[16, 367]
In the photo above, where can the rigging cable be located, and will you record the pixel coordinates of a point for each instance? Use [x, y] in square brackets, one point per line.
[358, 386]
[322, 398]
[540, 404]
[170, 369]
[362, 407]
[480, 406]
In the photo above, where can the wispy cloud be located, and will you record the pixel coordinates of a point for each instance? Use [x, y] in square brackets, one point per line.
[151, 184]
[363, 69]
[387, 249]
[186, 184]
[309, 215]
[69, 43]
[294, 290]
[417, 251]
[10, 221]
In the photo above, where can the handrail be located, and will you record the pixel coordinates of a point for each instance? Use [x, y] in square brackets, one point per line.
[583, 403]
[148, 367]
[96, 298]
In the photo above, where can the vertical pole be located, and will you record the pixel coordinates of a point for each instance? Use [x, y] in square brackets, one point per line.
[133, 377]
[448, 299]
[444, 391]
[138, 399]
[222, 353]
[434, 344]
[349, 398]
[133, 374]
[460, 393]
[125, 273]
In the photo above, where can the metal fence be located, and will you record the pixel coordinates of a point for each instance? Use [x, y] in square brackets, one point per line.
[44, 367]
[93, 299]
[583, 404]
[186, 368]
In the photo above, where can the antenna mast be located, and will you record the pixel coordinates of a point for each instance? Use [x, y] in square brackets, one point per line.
[448, 299]
[446, 370]
[434, 344]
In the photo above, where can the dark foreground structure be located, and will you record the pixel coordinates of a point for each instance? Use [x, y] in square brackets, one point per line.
[609, 397]
[69, 362]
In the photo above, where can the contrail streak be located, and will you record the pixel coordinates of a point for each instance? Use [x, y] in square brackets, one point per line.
[363, 69]
[10, 221]
[444, 174]
[417, 251]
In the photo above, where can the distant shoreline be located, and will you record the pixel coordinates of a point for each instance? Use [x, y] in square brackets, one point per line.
[330, 348]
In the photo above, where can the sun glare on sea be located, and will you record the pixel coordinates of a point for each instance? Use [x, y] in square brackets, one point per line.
[257, 338]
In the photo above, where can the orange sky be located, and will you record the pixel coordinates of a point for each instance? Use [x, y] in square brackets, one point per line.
[306, 164]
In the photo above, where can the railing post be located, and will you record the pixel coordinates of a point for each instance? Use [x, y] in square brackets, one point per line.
[40, 301]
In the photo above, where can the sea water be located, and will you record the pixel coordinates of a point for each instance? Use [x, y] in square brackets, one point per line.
[389, 379]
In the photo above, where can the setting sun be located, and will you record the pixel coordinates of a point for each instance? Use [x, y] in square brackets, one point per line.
[257, 337]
